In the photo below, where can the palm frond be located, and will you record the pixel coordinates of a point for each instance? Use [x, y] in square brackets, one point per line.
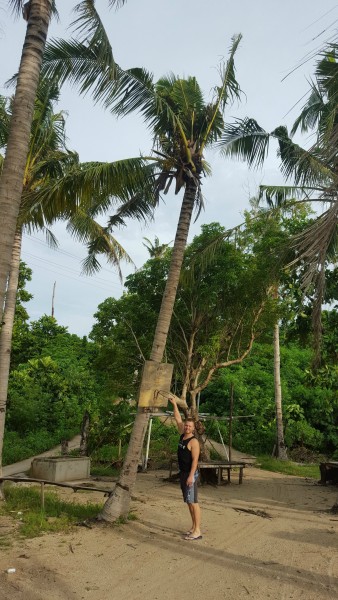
[106, 245]
[116, 3]
[279, 195]
[245, 140]
[314, 247]
[310, 113]
[95, 186]
[51, 239]
[313, 243]
[82, 65]
[85, 229]
[306, 167]
[89, 26]
[5, 117]
[228, 90]
[138, 207]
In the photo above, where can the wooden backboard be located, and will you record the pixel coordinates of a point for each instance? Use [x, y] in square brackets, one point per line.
[155, 377]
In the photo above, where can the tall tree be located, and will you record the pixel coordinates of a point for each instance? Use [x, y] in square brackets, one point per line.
[183, 125]
[313, 170]
[48, 163]
[38, 14]
[218, 313]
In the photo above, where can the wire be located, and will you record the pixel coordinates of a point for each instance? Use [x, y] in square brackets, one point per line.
[36, 240]
[64, 267]
[78, 280]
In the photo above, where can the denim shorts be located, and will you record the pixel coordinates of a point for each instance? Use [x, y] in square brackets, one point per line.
[189, 491]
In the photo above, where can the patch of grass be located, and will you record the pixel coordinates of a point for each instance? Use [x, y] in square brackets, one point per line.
[5, 542]
[24, 503]
[103, 470]
[124, 520]
[288, 467]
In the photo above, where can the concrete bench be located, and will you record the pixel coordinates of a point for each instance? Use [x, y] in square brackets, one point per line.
[220, 466]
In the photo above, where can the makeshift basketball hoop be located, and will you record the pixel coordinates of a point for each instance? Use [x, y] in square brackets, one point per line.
[156, 376]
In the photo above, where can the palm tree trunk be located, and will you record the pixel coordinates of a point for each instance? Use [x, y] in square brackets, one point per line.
[280, 450]
[6, 335]
[18, 140]
[118, 502]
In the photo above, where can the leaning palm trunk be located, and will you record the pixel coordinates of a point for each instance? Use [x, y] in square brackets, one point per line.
[6, 335]
[11, 183]
[118, 502]
[280, 449]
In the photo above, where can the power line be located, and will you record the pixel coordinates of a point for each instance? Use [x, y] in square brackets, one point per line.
[77, 279]
[64, 267]
[36, 240]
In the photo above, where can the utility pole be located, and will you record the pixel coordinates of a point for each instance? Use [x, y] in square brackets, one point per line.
[53, 296]
[231, 417]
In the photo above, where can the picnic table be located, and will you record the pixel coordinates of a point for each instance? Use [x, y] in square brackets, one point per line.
[219, 466]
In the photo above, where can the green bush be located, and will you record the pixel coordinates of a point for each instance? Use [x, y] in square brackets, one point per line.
[112, 423]
[163, 442]
[107, 453]
[18, 447]
[301, 433]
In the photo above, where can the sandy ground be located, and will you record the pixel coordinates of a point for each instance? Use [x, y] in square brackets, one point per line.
[289, 549]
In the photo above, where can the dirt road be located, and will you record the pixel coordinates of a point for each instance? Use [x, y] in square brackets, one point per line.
[268, 538]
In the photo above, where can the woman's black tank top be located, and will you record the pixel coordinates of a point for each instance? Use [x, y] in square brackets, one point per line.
[184, 454]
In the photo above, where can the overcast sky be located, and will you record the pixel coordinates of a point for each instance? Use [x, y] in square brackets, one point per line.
[186, 37]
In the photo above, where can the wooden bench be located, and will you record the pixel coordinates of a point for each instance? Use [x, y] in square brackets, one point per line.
[220, 466]
[328, 472]
[74, 486]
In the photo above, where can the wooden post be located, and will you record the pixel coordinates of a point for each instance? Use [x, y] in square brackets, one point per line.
[231, 417]
[148, 445]
[42, 496]
[222, 442]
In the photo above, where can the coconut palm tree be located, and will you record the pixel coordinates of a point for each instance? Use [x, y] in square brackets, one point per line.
[183, 126]
[37, 14]
[182, 133]
[314, 172]
[48, 162]
[156, 250]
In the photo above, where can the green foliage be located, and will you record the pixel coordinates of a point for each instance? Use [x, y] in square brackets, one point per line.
[18, 447]
[309, 401]
[301, 433]
[42, 396]
[163, 442]
[51, 385]
[103, 470]
[112, 424]
[216, 312]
